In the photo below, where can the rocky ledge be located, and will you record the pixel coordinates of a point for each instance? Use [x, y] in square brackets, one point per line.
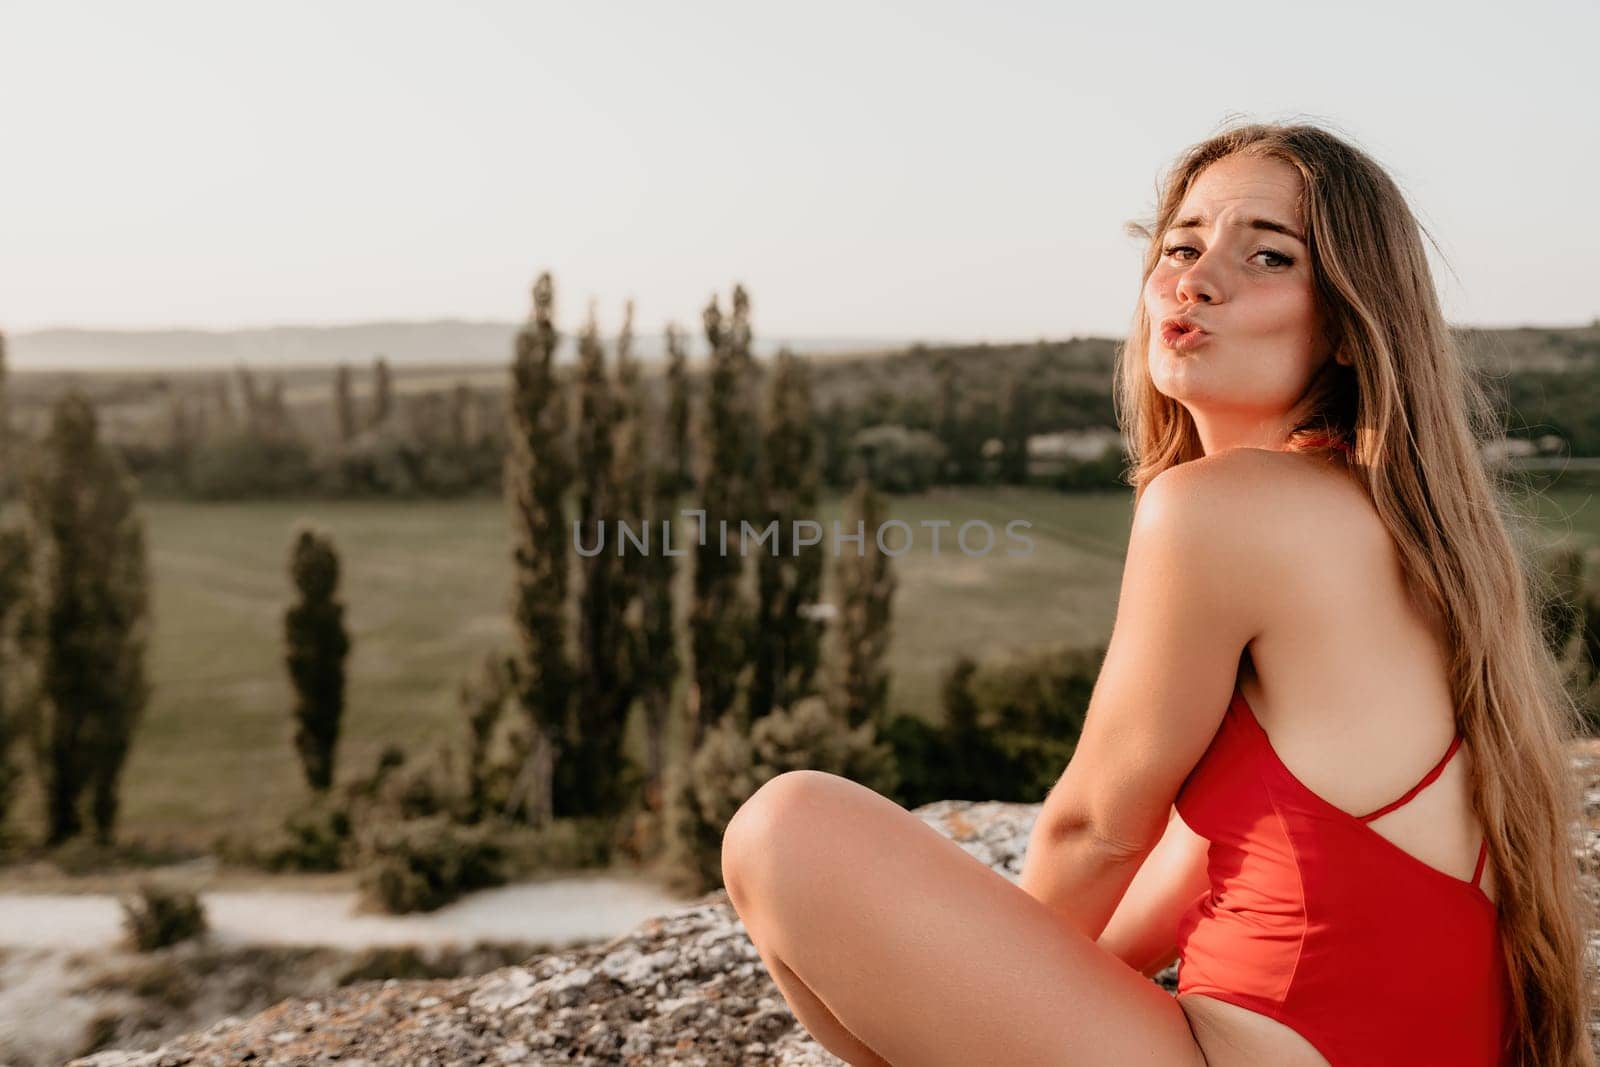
[686, 987]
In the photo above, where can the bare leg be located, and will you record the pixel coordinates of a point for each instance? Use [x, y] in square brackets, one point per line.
[808, 1008]
[893, 945]
[823, 1025]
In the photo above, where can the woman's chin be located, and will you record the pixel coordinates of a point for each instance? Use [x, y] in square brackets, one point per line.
[1170, 370]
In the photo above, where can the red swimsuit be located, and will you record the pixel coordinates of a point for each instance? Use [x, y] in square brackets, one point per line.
[1316, 920]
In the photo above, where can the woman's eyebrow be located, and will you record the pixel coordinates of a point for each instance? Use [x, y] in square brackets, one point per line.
[1196, 221]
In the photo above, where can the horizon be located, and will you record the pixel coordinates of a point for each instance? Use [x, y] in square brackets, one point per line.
[481, 320]
[34, 351]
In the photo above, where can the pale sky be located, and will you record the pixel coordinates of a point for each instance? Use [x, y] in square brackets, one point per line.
[924, 169]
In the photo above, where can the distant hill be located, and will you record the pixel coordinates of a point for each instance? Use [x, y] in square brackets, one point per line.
[458, 342]
[1544, 381]
[442, 341]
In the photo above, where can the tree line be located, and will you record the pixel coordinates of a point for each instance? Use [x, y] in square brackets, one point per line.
[595, 635]
[961, 415]
[921, 416]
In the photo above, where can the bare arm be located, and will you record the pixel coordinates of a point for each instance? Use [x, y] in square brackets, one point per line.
[1199, 560]
[1079, 877]
[1143, 931]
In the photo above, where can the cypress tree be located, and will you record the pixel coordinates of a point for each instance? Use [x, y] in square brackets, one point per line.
[788, 583]
[946, 415]
[648, 660]
[427, 417]
[865, 584]
[344, 404]
[482, 697]
[250, 399]
[382, 392]
[626, 403]
[634, 460]
[317, 643]
[955, 426]
[841, 465]
[5, 423]
[226, 420]
[720, 618]
[276, 421]
[537, 475]
[92, 604]
[677, 427]
[658, 661]
[590, 781]
[14, 693]
[1016, 417]
[183, 435]
[462, 431]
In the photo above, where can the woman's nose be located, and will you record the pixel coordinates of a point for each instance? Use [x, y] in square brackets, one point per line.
[1197, 283]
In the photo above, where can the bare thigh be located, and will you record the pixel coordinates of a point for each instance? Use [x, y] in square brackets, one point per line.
[1234, 1036]
[927, 955]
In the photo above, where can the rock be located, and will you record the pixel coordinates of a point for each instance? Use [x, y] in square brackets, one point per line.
[683, 988]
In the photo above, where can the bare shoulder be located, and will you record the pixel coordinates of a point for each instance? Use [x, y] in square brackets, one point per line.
[1280, 494]
[1264, 513]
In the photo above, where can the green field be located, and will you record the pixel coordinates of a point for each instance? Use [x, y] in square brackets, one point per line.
[426, 589]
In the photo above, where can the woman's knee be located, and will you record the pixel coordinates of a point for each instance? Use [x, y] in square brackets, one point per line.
[753, 842]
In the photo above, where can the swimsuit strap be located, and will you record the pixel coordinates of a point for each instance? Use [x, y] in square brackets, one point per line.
[1483, 853]
[1427, 779]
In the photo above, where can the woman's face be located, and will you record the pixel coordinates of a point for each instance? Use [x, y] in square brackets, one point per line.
[1234, 263]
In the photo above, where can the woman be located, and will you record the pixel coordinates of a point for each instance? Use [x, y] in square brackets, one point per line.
[1324, 765]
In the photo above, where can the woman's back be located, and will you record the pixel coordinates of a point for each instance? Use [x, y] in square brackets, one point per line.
[1352, 683]
[1342, 707]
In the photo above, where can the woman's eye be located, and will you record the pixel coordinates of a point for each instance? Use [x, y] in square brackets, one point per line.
[1278, 258]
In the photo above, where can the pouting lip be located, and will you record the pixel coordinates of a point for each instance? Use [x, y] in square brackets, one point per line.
[1180, 322]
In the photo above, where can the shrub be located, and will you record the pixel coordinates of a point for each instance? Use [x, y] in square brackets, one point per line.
[367, 787]
[250, 465]
[327, 833]
[898, 460]
[1011, 724]
[424, 864]
[422, 787]
[161, 916]
[811, 735]
[1028, 709]
[925, 757]
[728, 768]
[383, 460]
[1104, 472]
[569, 842]
[315, 838]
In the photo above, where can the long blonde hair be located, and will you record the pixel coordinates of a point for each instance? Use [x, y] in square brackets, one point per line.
[1412, 415]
